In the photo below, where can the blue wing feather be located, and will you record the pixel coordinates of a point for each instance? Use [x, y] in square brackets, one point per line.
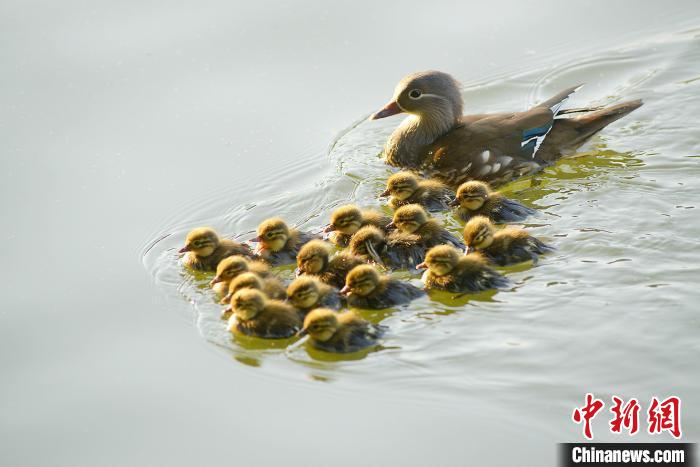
[533, 137]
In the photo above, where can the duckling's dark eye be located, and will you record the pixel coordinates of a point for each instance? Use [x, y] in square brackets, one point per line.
[414, 93]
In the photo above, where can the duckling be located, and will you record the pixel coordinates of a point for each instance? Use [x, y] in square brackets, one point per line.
[413, 220]
[307, 293]
[366, 288]
[340, 332]
[348, 219]
[448, 269]
[271, 286]
[507, 246]
[229, 268]
[204, 249]
[255, 315]
[406, 188]
[476, 198]
[278, 244]
[396, 251]
[314, 259]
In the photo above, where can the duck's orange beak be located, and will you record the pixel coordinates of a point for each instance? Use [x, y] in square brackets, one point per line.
[392, 108]
[329, 228]
[345, 290]
[391, 226]
[385, 193]
[454, 203]
[422, 265]
[215, 280]
[184, 249]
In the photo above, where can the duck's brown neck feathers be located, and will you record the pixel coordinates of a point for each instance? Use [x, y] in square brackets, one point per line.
[408, 142]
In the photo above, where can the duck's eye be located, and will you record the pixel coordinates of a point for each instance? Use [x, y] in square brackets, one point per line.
[415, 93]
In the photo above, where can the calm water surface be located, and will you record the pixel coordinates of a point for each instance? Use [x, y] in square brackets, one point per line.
[168, 119]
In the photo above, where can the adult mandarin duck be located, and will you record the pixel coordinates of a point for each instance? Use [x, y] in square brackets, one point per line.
[438, 140]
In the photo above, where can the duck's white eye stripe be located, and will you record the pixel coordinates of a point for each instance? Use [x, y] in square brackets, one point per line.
[433, 95]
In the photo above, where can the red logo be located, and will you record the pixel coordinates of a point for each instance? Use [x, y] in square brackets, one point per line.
[662, 415]
[626, 416]
[665, 416]
[586, 413]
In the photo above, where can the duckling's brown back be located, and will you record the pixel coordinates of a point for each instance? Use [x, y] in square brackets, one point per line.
[278, 319]
[338, 268]
[375, 218]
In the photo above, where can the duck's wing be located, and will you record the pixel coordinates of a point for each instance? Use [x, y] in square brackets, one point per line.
[484, 279]
[338, 268]
[496, 148]
[533, 137]
[445, 237]
[436, 197]
[404, 250]
[510, 210]
[400, 293]
[363, 335]
[331, 300]
[538, 247]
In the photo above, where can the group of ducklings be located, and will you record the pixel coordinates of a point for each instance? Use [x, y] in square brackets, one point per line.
[327, 280]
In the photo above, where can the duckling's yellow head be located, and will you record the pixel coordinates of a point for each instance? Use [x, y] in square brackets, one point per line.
[304, 291]
[246, 280]
[472, 195]
[313, 257]
[442, 259]
[247, 303]
[321, 324]
[401, 185]
[410, 218]
[273, 234]
[362, 280]
[478, 233]
[230, 267]
[201, 241]
[346, 219]
[366, 239]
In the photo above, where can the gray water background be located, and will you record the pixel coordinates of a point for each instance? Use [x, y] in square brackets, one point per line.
[123, 125]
